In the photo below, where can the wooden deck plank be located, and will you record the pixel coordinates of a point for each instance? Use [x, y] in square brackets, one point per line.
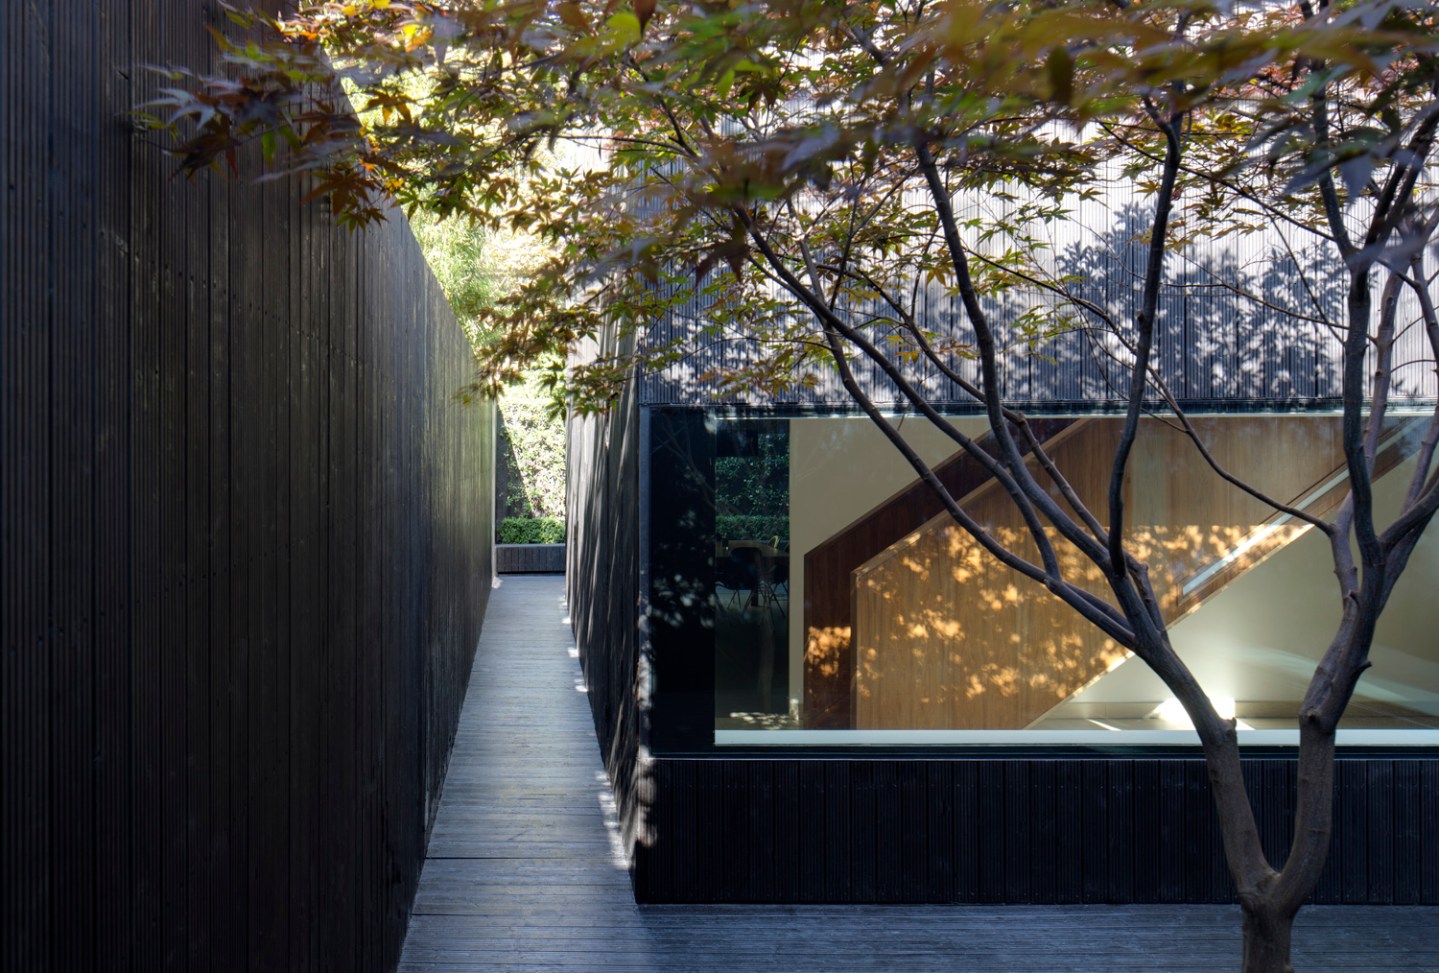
[523, 874]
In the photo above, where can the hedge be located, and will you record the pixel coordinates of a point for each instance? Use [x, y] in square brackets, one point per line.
[532, 530]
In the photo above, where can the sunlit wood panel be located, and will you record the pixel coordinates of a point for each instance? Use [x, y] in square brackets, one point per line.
[948, 638]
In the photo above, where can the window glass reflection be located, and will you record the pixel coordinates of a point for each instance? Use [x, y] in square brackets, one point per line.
[752, 585]
[845, 600]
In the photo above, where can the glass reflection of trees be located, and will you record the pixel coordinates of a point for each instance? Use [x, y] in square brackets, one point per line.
[751, 572]
[752, 484]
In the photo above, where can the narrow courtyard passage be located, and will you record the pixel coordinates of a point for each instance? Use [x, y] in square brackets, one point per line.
[524, 870]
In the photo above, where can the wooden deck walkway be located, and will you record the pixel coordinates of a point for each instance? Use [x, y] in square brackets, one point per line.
[524, 874]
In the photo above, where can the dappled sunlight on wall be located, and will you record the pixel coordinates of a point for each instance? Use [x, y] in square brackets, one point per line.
[947, 638]
[823, 646]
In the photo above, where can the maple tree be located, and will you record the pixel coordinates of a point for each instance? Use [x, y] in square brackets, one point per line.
[794, 176]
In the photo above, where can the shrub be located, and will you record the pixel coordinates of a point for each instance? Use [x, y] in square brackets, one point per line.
[532, 530]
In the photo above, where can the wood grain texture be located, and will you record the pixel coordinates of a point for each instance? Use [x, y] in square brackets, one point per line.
[246, 534]
[829, 581]
[529, 559]
[1215, 346]
[603, 585]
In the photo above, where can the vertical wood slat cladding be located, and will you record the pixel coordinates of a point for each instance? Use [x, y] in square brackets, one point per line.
[246, 536]
[1211, 345]
[1018, 830]
[829, 588]
[603, 592]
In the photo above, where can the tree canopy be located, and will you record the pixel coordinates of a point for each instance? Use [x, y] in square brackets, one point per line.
[800, 178]
[739, 137]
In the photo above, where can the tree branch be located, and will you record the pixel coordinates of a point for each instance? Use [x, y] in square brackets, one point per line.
[1148, 311]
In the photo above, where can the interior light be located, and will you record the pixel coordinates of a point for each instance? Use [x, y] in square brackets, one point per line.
[1172, 711]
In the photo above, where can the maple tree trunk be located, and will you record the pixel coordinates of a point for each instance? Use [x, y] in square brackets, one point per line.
[1270, 900]
[1267, 934]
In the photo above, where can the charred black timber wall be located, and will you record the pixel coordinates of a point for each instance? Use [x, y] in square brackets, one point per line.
[246, 536]
[529, 558]
[938, 827]
[833, 826]
[603, 590]
[1013, 830]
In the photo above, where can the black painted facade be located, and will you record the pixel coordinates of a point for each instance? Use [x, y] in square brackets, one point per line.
[996, 824]
[1016, 829]
[246, 545]
[916, 824]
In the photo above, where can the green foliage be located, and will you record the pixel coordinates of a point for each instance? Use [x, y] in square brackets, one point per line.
[532, 454]
[757, 483]
[468, 264]
[752, 489]
[766, 185]
[532, 530]
[455, 250]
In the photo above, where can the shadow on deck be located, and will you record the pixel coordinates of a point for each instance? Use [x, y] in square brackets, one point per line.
[525, 873]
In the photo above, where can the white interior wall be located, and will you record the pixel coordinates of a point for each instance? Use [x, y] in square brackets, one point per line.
[1259, 638]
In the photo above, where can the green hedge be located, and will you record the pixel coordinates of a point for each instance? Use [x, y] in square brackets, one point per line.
[751, 527]
[532, 530]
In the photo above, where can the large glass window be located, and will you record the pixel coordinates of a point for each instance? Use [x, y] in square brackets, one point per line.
[848, 609]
